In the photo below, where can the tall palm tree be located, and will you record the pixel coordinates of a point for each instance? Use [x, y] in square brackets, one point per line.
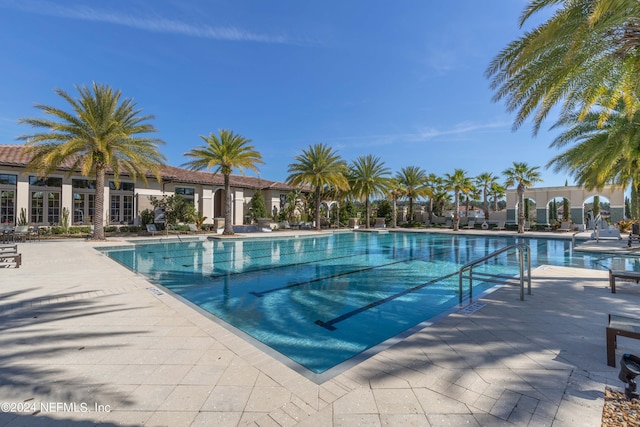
[586, 54]
[223, 154]
[368, 177]
[99, 135]
[458, 182]
[524, 176]
[413, 180]
[319, 167]
[601, 154]
[396, 191]
[484, 181]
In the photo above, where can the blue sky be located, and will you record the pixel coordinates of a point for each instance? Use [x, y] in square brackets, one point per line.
[400, 80]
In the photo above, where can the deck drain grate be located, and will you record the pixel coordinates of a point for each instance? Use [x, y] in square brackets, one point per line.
[471, 308]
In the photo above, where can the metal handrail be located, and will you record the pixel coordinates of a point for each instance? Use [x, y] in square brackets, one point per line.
[520, 247]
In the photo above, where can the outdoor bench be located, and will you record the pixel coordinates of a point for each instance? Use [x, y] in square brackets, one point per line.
[15, 258]
[620, 326]
[8, 249]
[622, 274]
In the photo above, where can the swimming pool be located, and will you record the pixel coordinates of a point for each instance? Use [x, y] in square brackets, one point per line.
[325, 299]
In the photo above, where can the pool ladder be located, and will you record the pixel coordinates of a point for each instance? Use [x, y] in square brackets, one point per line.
[521, 249]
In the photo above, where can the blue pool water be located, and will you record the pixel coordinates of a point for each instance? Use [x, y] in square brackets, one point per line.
[322, 300]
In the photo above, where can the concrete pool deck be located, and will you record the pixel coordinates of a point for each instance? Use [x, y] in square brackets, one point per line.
[87, 342]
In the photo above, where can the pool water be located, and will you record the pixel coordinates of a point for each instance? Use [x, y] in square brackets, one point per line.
[323, 300]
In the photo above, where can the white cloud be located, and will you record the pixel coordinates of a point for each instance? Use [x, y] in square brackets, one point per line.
[147, 23]
[459, 131]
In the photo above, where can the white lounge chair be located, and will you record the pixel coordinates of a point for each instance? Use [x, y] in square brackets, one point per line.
[499, 225]
[470, 224]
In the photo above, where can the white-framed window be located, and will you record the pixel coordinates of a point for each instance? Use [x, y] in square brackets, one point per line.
[45, 200]
[8, 185]
[121, 202]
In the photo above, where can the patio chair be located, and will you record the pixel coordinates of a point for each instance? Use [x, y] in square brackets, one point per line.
[34, 233]
[20, 233]
[193, 228]
[151, 228]
[499, 225]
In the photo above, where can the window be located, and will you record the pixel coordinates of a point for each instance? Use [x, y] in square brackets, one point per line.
[8, 198]
[124, 186]
[45, 182]
[187, 193]
[6, 179]
[83, 201]
[83, 184]
[121, 203]
[7, 206]
[45, 200]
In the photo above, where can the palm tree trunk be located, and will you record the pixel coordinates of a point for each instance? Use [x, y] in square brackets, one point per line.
[318, 208]
[456, 214]
[410, 210]
[431, 208]
[520, 209]
[98, 214]
[486, 205]
[394, 213]
[366, 208]
[228, 225]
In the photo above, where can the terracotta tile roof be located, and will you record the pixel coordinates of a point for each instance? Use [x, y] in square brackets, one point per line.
[15, 155]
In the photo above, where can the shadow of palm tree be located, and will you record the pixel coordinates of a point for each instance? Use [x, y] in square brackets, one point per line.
[48, 349]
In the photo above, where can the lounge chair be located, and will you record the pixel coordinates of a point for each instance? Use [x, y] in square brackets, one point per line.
[565, 226]
[527, 226]
[151, 228]
[499, 226]
[471, 224]
[195, 229]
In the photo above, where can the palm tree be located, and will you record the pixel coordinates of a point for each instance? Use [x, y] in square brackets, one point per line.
[525, 177]
[585, 55]
[319, 167]
[413, 180]
[458, 182]
[368, 177]
[484, 181]
[396, 191]
[101, 134]
[223, 154]
[602, 154]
